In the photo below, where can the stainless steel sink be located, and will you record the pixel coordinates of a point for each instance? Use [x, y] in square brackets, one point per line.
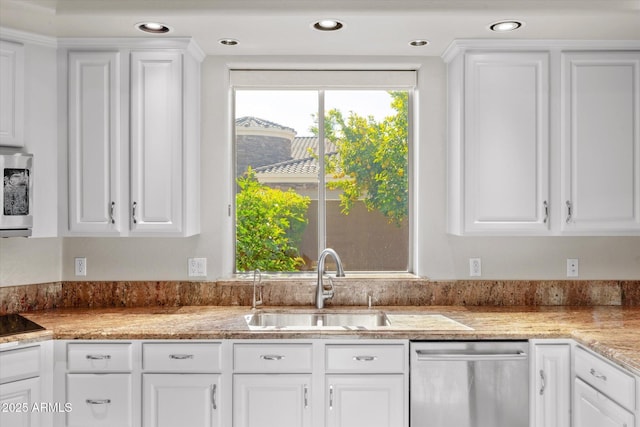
[315, 320]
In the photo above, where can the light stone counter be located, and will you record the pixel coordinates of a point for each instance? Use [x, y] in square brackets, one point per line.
[611, 331]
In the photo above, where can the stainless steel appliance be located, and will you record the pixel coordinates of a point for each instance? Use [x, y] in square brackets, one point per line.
[16, 194]
[469, 384]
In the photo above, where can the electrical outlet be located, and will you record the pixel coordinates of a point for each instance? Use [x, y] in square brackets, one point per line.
[81, 266]
[572, 267]
[197, 267]
[475, 267]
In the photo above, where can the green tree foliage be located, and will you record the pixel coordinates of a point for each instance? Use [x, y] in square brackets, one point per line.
[372, 159]
[269, 226]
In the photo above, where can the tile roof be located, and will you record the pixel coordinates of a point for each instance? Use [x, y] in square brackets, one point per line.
[256, 122]
[302, 161]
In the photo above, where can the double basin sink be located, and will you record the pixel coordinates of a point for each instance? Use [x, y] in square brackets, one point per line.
[316, 319]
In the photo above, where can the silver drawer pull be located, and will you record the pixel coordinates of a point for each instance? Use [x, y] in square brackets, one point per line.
[364, 358]
[98, 401]
[306, 396]
[181, 356]
[598, 375]
[98, 356]
[543, 382]
[271, 357]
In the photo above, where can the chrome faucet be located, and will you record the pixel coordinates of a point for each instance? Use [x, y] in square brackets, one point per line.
[257, 301]
[321, 293]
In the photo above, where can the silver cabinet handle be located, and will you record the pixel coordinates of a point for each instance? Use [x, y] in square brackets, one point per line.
[271, 357]
[306, 396]
[133, 212]
[364, 358]
[330, 397]
[543, 384]
[111, 211]
[598, 375]
[545, 204]
[98, 401]
[98, 356]
[214, 388]
[569, 211]
[181, 356]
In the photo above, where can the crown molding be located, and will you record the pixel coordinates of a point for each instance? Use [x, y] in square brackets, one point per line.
[27, 37]
[462, 45]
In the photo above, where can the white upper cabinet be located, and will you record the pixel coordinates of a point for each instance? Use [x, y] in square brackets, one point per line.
[601, 142]
[11, 94]
[94, 142]
[134, 140]
[504, 144]
[156, 141]
[544, 139]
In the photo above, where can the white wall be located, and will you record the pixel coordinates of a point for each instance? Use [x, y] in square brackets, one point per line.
[437, 254]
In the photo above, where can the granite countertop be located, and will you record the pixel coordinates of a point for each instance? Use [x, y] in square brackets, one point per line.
[611, 331]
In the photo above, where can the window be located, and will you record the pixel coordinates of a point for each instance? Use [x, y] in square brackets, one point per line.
[321, 160]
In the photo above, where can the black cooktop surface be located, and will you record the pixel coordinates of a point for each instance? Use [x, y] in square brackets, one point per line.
[11, 324]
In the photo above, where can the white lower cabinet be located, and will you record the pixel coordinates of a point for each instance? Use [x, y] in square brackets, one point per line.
[365, 400]
[100, 400]
[16, 401]
[552, 385]
[176, 400]
[603, 394]
[272, 400]
[594, 409]
[25, 386]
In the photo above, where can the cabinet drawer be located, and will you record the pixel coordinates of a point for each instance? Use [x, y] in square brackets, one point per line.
[592, 408]
[292, 358]
[365, 358]
[99, 357]
[19, 364]
[99, 400]
[615, 383]
[181, 357]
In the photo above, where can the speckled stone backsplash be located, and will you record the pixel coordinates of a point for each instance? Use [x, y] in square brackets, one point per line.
[349, 292]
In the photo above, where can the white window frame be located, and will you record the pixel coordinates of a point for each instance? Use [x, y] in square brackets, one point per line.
[321, 81]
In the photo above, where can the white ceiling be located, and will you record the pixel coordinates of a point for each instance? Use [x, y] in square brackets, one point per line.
[372, 27]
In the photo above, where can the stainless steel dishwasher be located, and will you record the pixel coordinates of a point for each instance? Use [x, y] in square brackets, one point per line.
[469, 384]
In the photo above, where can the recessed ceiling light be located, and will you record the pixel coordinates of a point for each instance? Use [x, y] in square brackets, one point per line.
[503, 26]
[419, 42]
[328, 25]
[228, 42]
[153, 27]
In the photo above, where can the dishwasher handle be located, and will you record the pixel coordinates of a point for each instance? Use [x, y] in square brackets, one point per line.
[428, 355]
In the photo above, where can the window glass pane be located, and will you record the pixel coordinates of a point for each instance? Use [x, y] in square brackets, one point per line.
[366, 179]
[277, 177]
[279, 210]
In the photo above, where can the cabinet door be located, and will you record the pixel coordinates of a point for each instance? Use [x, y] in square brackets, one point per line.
[94, 142]
[601, 142]
[16, 403]
[99, 400]
[12, 90]
[594, 409]
[271, 400]
[365, 400]
[156, 142]
[176, 400]
[506, 143]
[552, 394]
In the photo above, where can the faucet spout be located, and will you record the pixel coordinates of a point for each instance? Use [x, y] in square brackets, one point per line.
[321, 293]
